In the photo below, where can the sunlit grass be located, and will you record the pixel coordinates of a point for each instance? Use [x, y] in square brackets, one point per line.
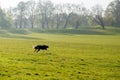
[70, 57]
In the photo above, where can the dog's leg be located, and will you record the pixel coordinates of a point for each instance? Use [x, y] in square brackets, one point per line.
[35, 50]
[38, 50]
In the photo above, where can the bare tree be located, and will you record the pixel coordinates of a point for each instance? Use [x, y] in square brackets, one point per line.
[31, 12]
[58, 12]
[113, 9]
[45, 10]
[20, 13]
[81, 18]
[68, 9]
[97, 15]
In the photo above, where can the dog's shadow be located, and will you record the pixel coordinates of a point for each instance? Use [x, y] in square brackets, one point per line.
[43, 53]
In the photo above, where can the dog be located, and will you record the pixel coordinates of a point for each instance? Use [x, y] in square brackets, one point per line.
[37, 48]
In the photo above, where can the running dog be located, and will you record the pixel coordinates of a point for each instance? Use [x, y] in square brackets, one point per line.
[37, 48]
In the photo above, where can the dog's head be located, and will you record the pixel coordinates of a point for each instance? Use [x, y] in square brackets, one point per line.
[34, 47]
[46, 46]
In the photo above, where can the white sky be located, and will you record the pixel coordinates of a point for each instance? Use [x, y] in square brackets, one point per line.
[87, 3]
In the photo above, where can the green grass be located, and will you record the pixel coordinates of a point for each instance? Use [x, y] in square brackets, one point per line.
[70, 56]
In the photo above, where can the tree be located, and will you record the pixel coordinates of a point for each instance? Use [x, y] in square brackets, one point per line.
[58, 13]
[97, 15]
[9, 16]
[113, 9]
[4, 23]
[81, 16]
[108, 18]
[20, 14]
[68, 8]
[30, 10]
[45, 11]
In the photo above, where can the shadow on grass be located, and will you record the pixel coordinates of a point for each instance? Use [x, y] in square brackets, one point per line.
[22, 37]
[73, 31]
[8, 35]
[18, 31]
[19, 37]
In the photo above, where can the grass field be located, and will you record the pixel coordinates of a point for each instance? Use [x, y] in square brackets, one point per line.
[69, 57]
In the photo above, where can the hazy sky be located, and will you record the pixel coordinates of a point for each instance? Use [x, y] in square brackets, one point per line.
[87, 3]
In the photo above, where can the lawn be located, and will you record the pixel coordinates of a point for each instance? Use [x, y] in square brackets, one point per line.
[69, 57]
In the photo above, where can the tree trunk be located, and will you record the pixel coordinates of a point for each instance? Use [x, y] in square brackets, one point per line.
[43, 22]
[77, 24]
[67, 19]
[57, 23]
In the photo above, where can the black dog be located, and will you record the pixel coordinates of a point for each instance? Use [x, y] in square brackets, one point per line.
[37, 48]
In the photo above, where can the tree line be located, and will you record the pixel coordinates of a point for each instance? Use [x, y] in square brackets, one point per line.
[47, 15]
